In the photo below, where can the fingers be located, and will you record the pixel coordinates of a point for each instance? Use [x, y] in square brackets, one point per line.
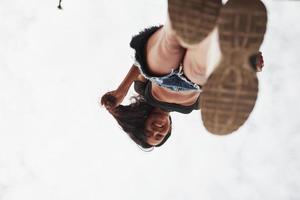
[259, 62]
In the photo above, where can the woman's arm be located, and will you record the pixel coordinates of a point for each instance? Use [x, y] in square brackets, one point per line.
[131, 76]
[114, 98]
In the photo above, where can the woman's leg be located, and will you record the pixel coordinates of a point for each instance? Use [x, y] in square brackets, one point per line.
[192, 21]
[200, 60]
[164, 51]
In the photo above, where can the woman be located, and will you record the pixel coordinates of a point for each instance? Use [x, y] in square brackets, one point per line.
[173, 65]
[146, 125]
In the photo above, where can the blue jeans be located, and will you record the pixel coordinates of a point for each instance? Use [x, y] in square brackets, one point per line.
[175, 81]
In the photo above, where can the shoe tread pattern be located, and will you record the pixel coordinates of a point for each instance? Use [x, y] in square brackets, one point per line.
[230, 93]
[193, 20]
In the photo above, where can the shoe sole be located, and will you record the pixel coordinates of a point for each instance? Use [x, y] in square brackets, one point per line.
[193, 20]
[230, 93]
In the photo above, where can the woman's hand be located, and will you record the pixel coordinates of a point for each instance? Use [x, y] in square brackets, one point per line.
[259, 62]
[256, 61]
[112, 99]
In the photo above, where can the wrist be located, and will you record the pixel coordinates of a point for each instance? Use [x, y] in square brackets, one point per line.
[121, 92]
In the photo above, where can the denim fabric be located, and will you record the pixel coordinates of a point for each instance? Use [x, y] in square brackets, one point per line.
[175, 81]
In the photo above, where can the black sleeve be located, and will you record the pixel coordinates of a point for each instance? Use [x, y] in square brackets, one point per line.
[139, 87]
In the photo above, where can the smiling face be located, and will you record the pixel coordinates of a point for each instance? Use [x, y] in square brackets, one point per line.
[157, 126]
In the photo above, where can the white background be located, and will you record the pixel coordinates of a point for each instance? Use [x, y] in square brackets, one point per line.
[57, 143]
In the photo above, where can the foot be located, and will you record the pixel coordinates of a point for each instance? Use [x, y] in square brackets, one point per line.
[230, 93]
[193, 20]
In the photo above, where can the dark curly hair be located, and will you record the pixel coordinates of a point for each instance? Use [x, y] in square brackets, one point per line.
[132, 119]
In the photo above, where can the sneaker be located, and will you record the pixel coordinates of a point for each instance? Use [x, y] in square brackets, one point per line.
[193, 20]
[230, 93]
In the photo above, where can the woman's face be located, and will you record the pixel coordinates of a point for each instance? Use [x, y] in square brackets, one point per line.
[157, 126]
